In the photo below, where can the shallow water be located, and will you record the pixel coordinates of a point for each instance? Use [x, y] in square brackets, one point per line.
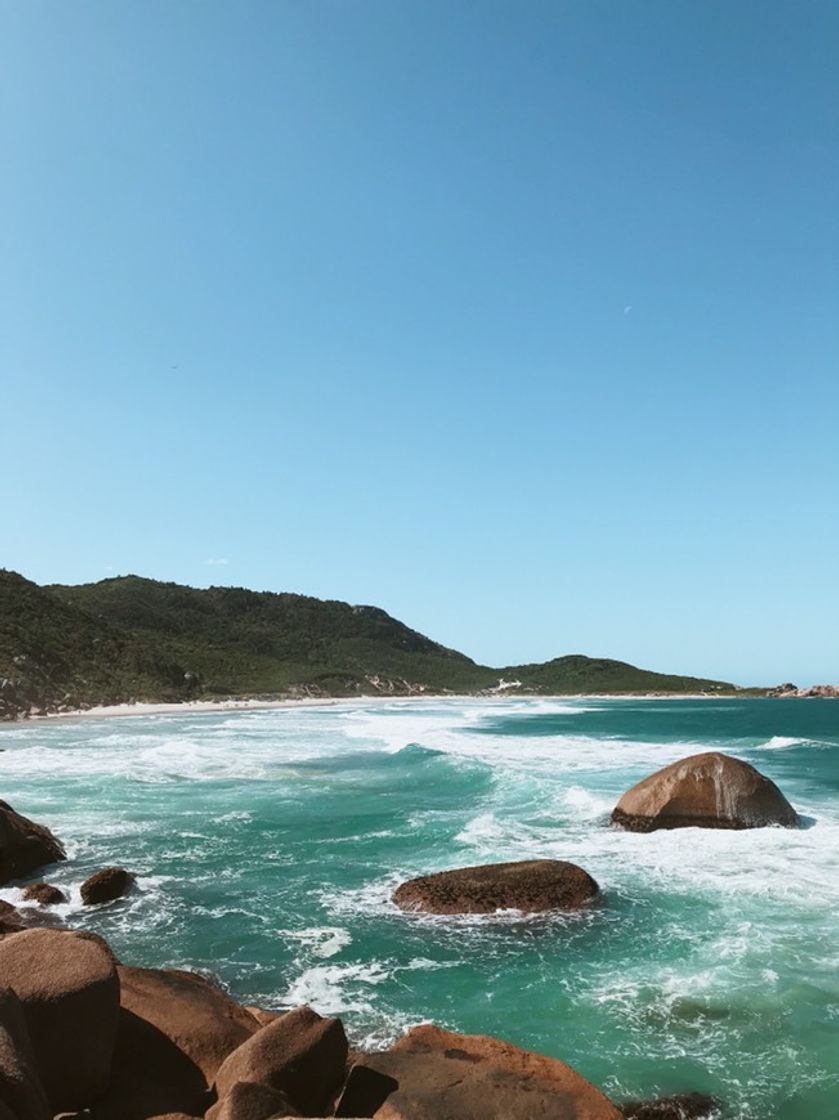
[268, 844]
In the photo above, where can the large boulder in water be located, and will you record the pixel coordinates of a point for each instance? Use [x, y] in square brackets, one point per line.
[24, 845]
[300, 1054]
[709, 790]
[44, 893]
[433, 1073]
[67, 984]
[106, 885]
[530, 886]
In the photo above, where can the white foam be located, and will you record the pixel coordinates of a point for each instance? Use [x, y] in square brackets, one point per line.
[321, 941]
[781, 743]
[333, 989]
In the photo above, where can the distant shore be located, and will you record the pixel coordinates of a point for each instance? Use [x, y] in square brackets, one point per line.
[204, 707]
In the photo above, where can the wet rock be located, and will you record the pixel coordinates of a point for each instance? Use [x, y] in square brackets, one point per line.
[106, 885]
[24, 845]
[299, 1054]
[529, 885]
[11, 920]
[709, 790]
[44, 893]
[68, 988]
[683, 1106]
[473, 1077]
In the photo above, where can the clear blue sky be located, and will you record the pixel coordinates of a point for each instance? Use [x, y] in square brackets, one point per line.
[520, 319]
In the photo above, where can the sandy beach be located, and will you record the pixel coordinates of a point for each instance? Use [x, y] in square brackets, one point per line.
[202, 707]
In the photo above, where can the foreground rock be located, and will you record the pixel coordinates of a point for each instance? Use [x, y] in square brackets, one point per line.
[21, 1092]
[684, 1106]
[530, 885]
[300, 1054]
[24, 845]
[68, 988]
[44, 893]
[433, 1073]
[106, 885]
[248, 1100]
[707, 791]
[175, 1031]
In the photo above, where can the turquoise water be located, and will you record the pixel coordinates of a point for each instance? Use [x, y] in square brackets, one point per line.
[268, 843]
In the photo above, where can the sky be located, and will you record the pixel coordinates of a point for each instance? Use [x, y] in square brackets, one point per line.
[518, 320]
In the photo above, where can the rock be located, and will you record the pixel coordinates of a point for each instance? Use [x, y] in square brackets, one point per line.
[106, 885]
[786, 689]
[262, 1016]
[248, 1100]
[365, 1091]
[707, 791]
[530, 886]
[67, 984]
[24, 845]
[11, 920]
[175, 1030]
[44, 893]
[299, 1054]
[21, 1092]
[473, 1077]
[130, 1097]
[685, 1106]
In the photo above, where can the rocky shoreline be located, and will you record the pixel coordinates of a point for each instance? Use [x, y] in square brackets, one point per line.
[85, 1037]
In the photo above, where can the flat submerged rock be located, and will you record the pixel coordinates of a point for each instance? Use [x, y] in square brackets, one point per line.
[531, 886]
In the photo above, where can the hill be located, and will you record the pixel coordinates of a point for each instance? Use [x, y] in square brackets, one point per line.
[134, 638]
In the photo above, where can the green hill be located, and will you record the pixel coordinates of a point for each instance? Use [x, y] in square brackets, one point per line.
[133, 638]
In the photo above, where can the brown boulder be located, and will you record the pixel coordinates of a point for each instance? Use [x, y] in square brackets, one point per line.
[106, 885]
[530, 886]
[709, 790]
[248, 1100]
[131, 1097]
[473, 1077]
[67, 984]
[176, 1029]
[299, 1054]
[11, 920]
[24, 845]
[21, 1092]
[44, 893]
[262, 1015]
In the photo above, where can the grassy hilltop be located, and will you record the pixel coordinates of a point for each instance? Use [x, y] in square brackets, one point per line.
[138, 638]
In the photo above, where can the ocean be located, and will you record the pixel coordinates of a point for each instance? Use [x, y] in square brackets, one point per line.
[267, 844]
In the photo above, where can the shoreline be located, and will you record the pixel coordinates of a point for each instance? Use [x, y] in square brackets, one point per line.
[207, 707]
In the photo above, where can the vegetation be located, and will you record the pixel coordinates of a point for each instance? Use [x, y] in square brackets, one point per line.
[133, 638]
